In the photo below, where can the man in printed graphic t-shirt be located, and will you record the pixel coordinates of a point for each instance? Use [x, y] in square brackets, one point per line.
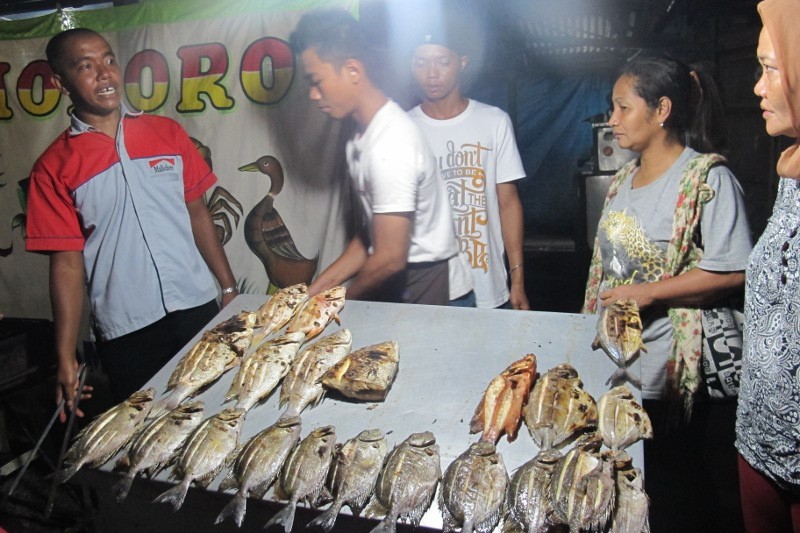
[478, 158]
[117, 203]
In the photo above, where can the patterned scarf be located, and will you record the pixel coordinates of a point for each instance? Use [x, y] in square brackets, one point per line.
[683, 254]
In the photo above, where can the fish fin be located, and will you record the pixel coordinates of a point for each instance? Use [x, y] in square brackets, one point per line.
[260, 490]
[596, 345]
[174, 496]
[476, 424]
[387, 525]
[280, 494]
[326, 520]
[63, 475]
[374, 509]
[229, 482]
[123, 463]
[122, 487]
[284, 517]
[235, 509]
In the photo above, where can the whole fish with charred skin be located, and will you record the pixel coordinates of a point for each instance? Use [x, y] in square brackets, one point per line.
[559, 408]
[407, 483]
[619, 334]
[367, 373]
[632, 505]
[351, 479]
[301, 386]
[261, 371]
[158, 443]
[258, 464]
[622, 420]
[278, 311]
[314, 315]
[582, 487]
[107, 434]
[500, 408]
[206, 452]
[528, 505]
[473, 490]
[303, 474]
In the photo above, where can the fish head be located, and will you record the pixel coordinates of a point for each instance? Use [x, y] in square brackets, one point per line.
[371, 435]
[421, 440]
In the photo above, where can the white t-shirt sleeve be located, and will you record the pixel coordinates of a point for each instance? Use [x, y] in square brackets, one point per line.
[509, 163]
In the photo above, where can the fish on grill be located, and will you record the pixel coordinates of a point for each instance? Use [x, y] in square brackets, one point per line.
[107, 434]
[317, 311]
[528, 505]
[407, 483]
[351, 479]
[582, 487]
[632, 505]
[278, 310]
[207, 451]
[473, 490]
[303, 474]
[261, 371]
[622, 420]
[157, 444]
[619, 334]
[500, 408]
[367, 373]
[301, 386]
[559, 407]
[257, 466]
[220, 350]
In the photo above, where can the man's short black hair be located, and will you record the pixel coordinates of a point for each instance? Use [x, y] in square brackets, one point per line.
[57, 44]
[335, 37]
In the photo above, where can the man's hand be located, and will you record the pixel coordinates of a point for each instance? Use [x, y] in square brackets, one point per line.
[67, 387]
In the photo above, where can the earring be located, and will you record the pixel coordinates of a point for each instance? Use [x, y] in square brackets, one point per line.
[661, 124]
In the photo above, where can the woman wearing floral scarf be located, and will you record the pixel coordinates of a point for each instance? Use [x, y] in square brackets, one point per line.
[768, 416]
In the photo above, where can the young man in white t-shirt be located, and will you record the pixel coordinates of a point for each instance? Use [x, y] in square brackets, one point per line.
[479, 162]
[402, 254]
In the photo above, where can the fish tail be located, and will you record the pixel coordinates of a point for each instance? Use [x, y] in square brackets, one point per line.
[327, 519]
[635, 381]
[387, 525]
[63, 475]
[235, 508]
[173, 496]
[284, 517]
[122, 487]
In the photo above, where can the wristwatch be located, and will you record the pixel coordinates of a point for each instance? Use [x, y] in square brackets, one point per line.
[228, 290]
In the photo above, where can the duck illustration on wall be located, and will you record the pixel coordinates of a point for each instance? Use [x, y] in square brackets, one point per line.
[268, 237]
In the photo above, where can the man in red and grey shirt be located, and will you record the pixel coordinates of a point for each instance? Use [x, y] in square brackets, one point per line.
[117, 202]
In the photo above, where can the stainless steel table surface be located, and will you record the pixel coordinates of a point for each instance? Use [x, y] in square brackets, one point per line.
[448, 356]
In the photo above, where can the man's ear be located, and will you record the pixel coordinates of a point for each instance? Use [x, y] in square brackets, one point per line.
[464, 60]
[59, 83]
[354, 70]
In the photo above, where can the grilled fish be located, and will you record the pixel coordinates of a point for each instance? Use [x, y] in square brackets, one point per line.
[278, 310]
[528, 506]
[107, 434]
[236, 332]
[622, 420]
[473, 490]
[261, 371]
[157, 443]
[582, 488]
[559, 407]
[257, 465]
[206, 452]
[301, 387]
[317, 312]
[500, 407]
[303, 475]
[367, 373]
[202, 365]
[351, 479]
[407, 483]
[619, 334]
[632, 504]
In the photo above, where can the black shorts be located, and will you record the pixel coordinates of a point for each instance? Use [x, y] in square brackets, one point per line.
[131, 360]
